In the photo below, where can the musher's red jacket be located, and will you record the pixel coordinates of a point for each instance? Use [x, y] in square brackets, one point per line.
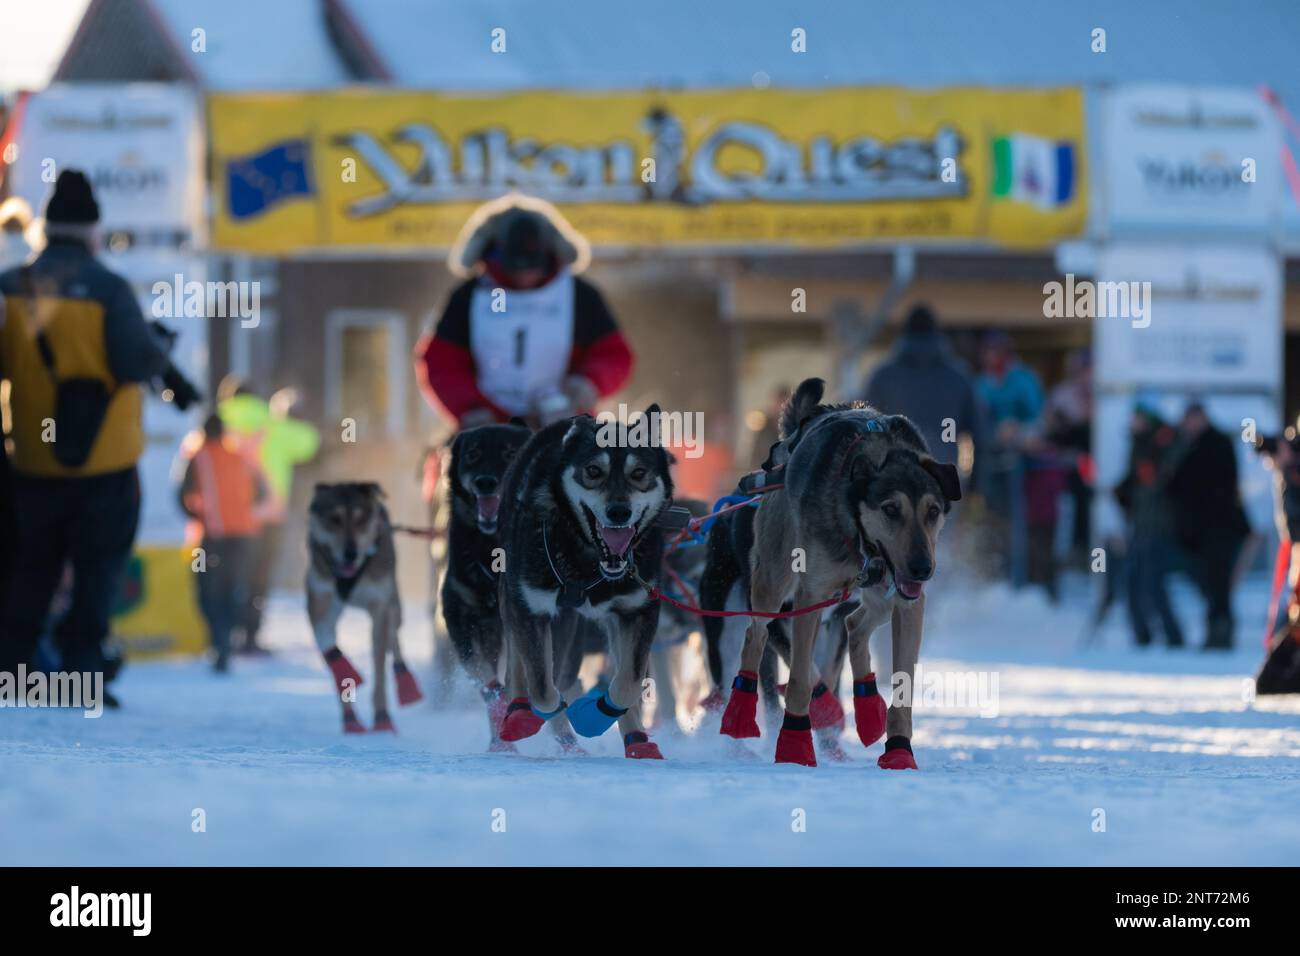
[445, 366]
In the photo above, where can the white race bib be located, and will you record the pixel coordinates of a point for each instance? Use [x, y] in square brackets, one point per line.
[521, 351]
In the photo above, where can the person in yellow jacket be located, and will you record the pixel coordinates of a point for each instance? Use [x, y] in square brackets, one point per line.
[75, 348]
[223, 491]
[277, 442]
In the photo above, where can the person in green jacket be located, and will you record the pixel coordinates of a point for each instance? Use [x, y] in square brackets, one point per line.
[277, 442]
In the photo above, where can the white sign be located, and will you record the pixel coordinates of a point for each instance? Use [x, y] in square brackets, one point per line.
[139, 144]
[1213, 318]
[1190, 158]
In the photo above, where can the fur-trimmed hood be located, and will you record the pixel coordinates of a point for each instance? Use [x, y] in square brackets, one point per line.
[490, 222]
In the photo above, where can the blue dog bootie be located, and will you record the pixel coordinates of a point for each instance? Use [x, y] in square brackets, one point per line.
[594, 713]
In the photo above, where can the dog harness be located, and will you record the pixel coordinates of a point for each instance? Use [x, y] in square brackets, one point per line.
[573, 594]
[343, 586]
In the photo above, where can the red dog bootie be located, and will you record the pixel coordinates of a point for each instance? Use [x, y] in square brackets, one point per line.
[351, 723]
[795, 744]
[825, 709]
[738, 720]
[638, 746]
[408, 691]
[897, 755]
[342, 669]
[383, 723]
[868, 710]
[520, 721]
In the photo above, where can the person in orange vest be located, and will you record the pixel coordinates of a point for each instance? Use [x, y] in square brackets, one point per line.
[223, 491]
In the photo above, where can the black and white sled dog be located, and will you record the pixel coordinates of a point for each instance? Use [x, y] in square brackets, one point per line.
[578, 524]
[479, 459]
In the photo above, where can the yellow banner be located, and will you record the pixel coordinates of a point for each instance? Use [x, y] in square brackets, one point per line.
[156, 611]
[705, 168]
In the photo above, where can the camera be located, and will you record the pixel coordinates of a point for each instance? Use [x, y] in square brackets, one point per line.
[172, 385]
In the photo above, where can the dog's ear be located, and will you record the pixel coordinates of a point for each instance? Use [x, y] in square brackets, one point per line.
[374, 490]
[517, 422]
[946, 475]
[801, 404]
[652, 410]
[577, 426]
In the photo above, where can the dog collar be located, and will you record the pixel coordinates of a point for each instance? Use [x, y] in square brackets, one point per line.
[875, 562]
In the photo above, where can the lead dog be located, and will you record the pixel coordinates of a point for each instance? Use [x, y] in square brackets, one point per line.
[353, 561]
[578, 528]
[862, 495]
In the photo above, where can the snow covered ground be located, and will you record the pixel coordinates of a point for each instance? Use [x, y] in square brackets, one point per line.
[1165, 744]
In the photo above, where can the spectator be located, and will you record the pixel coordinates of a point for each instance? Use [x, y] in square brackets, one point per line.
[1067, 424]
[15, 219]
[1209, 518]
[1010, 389]
[923, 380]
[1014, 399]
[1142, 496]
[74, 347]
[277, 443]
[222, 490]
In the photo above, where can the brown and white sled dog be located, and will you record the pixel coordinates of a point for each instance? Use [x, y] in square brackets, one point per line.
[861, 510]
[578, 524]
[353, 561]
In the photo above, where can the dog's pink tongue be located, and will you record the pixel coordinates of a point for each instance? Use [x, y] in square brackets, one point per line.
[910, 589]
[488, 505]
[617, 539]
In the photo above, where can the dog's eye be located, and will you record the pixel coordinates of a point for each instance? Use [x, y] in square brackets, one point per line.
[473, 455]
[336, 519]
[933, 513]
[638, 474]
[890, 509]
[594, 472]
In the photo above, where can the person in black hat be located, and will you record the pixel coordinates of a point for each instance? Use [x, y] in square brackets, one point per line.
[924, 380]
[1209, 519]
[74, 350]
[524, 335]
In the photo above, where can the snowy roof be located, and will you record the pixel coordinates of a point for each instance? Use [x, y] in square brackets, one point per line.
[256, 44]
[595, 43]
[249, 44]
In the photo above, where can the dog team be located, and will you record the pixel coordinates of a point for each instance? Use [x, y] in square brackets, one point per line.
[559, 543]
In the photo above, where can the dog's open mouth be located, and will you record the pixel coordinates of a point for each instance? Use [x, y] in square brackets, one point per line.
[614, 542]
[488, 506]
[908, 588]
[347, 569]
